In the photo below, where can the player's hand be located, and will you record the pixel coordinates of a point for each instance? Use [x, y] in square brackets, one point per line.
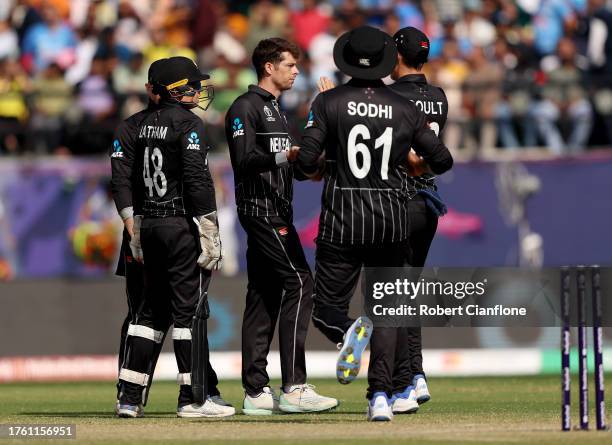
[210, 241]
[292, 153]
[129, 226]
[325, 84]
[320, 170]
[135, 246]
[416, 165]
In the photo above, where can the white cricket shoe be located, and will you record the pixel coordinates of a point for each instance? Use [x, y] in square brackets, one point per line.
[304, 399]
[263, 404]
[420, 387]
[207, 409]
[379, 409]
[405, 402]
[220, 401]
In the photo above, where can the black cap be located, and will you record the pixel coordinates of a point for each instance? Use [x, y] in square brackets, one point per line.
[365, 53]
[154, 70]
[178, 71]
[413, 45]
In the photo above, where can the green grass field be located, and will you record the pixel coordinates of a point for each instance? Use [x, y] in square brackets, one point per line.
[462, 411]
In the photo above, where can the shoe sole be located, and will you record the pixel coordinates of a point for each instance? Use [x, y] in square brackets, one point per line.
[125, 414]
[297, 410]
[406, 411]
[257, 412]
[199, 415]
[349, 359]
[380, 419]
[424, 398]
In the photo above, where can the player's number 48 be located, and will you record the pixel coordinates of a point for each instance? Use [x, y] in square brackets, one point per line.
[157, 159]
[353, 147]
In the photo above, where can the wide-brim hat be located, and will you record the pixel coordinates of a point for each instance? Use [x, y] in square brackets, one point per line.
[365, 53]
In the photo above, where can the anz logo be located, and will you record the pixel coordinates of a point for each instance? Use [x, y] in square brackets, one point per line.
[117, 150]
[194, 141]
[310, 120]
[238, 128]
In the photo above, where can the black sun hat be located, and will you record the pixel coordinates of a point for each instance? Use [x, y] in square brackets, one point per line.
[365, 53]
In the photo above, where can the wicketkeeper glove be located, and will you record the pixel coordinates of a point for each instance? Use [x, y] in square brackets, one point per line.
[210, 241]
[135, 246]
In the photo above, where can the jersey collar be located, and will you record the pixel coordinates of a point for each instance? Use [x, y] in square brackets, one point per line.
[259, 90]
[354, 82]
[413, 78]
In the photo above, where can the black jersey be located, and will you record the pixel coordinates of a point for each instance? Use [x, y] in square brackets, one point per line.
[169, 162]
[366, 131]
[124, 184]
[431, 100]
[257, 133]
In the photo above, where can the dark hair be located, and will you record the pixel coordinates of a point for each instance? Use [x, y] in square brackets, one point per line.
[271, 51]
[413, 62]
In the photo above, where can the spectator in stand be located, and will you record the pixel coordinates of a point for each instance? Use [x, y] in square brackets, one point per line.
[50, 41]
[265, 20]
[9, 45]
[230, 81]
[96, 102]
[311, 20]
[481, 97]
[408, 14]
[13, 112]
[449, 75]
[564, 104]
[515, 107]
[321, 50]
[131, 34]
[160, 48]
[600, 57]
[52, 97]
[128, 81]
[549, 21]
[229, 37]
[600, 37]
[522, 35]
[475, 27]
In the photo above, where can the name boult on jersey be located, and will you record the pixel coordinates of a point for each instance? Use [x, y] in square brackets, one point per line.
[428, 106]
[153, 132]
[370, 110]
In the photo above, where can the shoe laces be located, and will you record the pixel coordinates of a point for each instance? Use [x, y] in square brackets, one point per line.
[308, 390]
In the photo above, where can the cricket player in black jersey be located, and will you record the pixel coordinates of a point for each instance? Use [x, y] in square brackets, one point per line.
[425, 206]
[280, 282]
[365, 132]
[173, 189]
[130, 259]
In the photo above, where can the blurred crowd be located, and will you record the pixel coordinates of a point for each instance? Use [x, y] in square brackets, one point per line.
[517, 73]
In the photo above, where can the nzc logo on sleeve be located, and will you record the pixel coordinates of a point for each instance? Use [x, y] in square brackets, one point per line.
[117, 150]
[310, 121]
[237, 127]
[194, 141]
